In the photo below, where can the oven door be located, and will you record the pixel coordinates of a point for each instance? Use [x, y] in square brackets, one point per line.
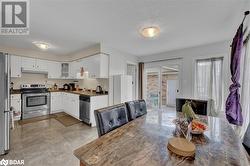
[35, 101]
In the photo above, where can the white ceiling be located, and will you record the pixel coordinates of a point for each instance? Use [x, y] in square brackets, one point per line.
[71, 25]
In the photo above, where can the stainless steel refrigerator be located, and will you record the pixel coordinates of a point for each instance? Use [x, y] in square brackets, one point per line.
[4, 103]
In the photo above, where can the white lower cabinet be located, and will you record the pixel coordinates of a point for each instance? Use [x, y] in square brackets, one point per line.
[16, 104]
[56, 102]
[97, 102]
[66, 102]
[69, 103]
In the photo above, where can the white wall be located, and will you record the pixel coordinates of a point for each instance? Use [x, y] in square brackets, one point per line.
[188, 57]
[118, 60]
[93, 83]
[117, 66]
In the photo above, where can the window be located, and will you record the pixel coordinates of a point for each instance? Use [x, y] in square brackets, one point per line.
[208, 82]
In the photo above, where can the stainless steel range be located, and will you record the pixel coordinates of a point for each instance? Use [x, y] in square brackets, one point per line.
[35, 100]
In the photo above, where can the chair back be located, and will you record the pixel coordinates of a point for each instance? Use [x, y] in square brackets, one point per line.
[246, 140]
[136, 109]
[199, 107]
[110, 118]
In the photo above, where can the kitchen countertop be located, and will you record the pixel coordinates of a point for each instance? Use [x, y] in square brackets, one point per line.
[143, 141]
[86, 93]
[80, 92]
[15, 91]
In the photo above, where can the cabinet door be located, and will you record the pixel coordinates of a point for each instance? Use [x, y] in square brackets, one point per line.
[75, 106]
[104, 66]
[72, 69]
[41, 65]
[56, 102]
[15, 62]
[65, 102]
[97, 66]
[54, 69]
[16, 104]
[28, 63]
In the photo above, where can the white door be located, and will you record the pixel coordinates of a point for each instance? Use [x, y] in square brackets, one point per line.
[161, 86]
[132, 70]
[171, 92]
[153, 87]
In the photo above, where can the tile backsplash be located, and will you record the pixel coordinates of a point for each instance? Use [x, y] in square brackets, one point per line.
[28, 78]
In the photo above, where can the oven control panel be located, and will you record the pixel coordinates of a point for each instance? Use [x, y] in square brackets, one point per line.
[32, 86]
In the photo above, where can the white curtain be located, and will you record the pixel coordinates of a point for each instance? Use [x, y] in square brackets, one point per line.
[245, 90]
[208, 83]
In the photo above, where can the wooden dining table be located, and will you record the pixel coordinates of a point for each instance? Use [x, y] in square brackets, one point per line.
[143, 142]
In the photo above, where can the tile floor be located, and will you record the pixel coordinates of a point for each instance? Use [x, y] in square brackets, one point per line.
[48, 143]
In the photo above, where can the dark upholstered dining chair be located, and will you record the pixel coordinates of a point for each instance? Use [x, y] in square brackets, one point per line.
[246, 140]
[136, 108]
[110, 118]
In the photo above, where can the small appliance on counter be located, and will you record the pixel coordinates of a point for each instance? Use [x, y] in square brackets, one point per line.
[72, 86]
[55, 86]
[66, 87]
[77, 88]
[99, 89]
[12, 86]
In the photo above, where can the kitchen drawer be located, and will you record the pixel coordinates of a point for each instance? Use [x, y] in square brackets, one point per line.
[15, 97]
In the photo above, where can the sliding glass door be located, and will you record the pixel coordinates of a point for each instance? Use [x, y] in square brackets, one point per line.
[153, 88]
[161, 86]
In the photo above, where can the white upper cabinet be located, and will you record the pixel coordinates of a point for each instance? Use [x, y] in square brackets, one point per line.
[73, 66]
[28, 63]
[54, 69]
[97, 66]
[104, 66]
[15, 63]
[31, 64]
[42, 65]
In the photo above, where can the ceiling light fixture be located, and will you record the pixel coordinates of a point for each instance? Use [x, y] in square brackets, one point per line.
[150, 32]
[41, 45]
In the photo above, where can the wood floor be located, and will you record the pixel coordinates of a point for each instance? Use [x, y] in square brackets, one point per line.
[48, 143]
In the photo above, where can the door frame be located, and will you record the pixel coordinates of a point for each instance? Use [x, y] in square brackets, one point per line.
[160, 65]
[136, 76]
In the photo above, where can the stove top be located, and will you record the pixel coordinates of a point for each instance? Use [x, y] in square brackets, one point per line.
[33, 88]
